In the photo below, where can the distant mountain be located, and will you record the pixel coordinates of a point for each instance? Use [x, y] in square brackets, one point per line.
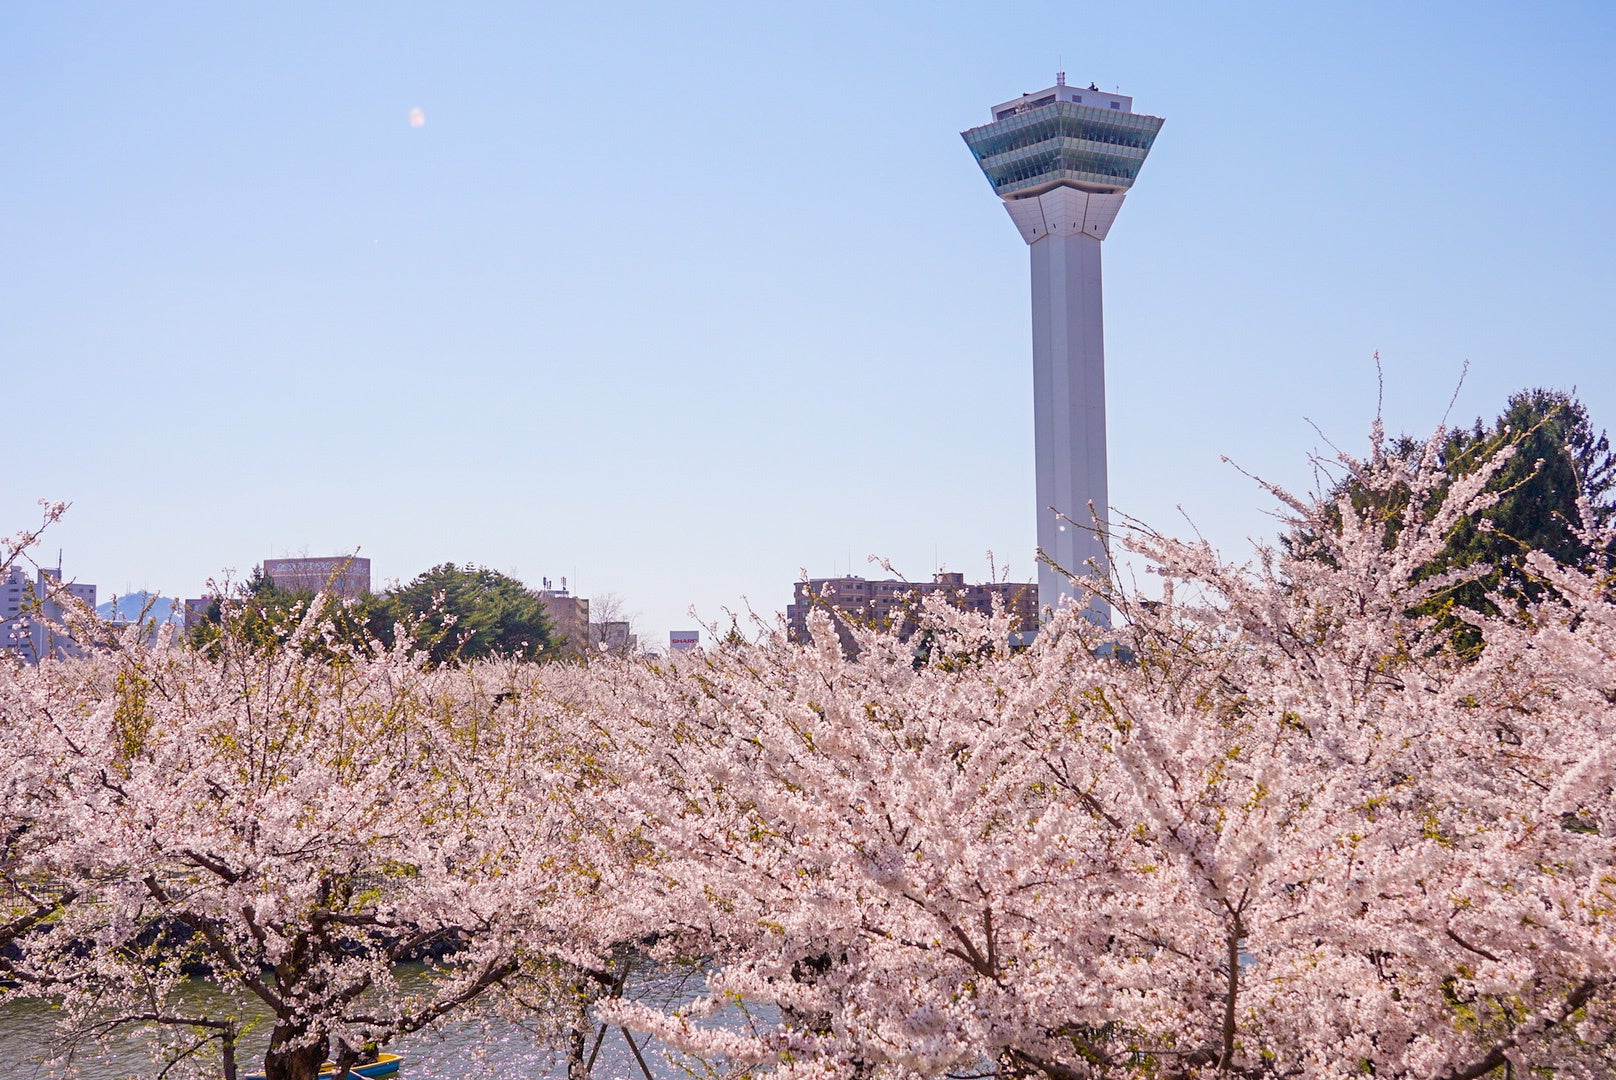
[142, 604]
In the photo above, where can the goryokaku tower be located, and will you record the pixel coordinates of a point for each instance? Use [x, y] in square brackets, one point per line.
[1063, 160]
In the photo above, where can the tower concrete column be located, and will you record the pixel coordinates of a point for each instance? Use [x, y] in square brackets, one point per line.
[1068, 366]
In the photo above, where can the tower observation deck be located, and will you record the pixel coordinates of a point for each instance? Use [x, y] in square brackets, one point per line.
[1063, 160]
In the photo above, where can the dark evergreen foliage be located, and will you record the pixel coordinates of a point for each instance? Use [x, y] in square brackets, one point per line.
[464, 613]
[1560, 472]
[449, 612]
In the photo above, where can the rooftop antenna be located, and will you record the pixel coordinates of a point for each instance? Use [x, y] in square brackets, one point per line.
[1060, 76]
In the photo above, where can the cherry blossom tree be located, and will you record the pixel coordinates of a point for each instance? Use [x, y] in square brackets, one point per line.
[297, 822]
[1276, 826]
[29, 894]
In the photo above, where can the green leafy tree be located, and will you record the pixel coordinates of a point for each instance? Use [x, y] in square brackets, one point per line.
[465, 613]
[1560, 476]
[1558, 461]
[264, 614]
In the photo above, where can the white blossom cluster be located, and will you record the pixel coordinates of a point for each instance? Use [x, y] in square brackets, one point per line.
[1279, 824]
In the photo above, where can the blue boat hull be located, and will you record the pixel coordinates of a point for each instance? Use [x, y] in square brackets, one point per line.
[386, 1065]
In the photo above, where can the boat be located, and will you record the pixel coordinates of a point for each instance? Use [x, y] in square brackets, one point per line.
[384, 1065]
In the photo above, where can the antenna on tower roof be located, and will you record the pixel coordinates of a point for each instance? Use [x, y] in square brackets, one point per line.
[1060, 76]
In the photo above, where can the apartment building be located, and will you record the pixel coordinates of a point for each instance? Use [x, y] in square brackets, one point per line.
[885, 603]
[32, 607]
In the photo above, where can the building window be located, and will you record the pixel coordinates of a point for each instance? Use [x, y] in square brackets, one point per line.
[1077, 98]
[1116, 104]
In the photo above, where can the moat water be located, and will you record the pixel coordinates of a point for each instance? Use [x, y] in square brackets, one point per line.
[475, 1045]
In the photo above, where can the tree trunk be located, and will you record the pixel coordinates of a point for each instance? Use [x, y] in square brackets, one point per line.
[300, 1062]
[580, 1055]
[577, 1044]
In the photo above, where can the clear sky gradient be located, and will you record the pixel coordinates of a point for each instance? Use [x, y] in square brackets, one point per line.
[679, 301]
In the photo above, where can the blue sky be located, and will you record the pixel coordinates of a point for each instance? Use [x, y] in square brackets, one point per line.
[678, 301]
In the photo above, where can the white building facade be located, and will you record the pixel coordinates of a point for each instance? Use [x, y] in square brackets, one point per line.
[33, 626]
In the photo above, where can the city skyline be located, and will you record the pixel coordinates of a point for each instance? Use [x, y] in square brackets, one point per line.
[680, 307]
